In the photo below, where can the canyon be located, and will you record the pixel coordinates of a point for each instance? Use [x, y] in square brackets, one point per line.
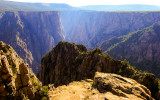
[36, 63]
[33, 34]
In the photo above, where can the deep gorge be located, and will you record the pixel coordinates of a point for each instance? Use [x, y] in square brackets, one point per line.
[33, 34]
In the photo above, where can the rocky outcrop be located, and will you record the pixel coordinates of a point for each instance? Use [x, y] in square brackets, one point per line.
[31, 34]
[68, 62]
[121, 86]
[91, 27]
[103, 87]
[141, 48]
[17, 81]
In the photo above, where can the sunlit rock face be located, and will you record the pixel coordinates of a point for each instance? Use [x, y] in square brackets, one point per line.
[104, 87]
[31, 34]
[17, 81]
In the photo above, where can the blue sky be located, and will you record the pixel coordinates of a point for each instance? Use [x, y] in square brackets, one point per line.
[96, 2]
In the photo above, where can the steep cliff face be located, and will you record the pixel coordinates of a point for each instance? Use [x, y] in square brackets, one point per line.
[69, 62]
[103, 87]
[91, 28]
[31, 34]
[141, 48]
[17, 81]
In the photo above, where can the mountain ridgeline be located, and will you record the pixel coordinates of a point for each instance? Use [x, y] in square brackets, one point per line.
[31, 34]
[141, 48]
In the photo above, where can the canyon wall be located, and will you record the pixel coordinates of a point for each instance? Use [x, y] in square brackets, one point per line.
[31, 34]
[91, 27]
[141, 48]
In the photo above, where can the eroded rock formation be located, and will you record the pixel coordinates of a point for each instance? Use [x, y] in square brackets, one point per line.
[17, 81]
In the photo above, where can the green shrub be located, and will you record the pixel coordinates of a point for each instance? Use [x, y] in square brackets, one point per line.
[125, 62]
[4, 49]
[81, 48]
[44, 98]
[45, 90]
[159, 85]
[95, 51]
[14, 69]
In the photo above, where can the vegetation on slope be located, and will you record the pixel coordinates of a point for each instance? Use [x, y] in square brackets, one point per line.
[141, 48]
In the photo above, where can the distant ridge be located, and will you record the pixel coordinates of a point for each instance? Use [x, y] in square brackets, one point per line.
[23, 6]
[128, 7]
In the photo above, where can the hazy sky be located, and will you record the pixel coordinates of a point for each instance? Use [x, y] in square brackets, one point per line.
[96, 2]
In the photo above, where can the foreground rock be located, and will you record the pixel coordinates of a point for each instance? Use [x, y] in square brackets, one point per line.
[68, 62]
[104, 87]
[17, 81]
